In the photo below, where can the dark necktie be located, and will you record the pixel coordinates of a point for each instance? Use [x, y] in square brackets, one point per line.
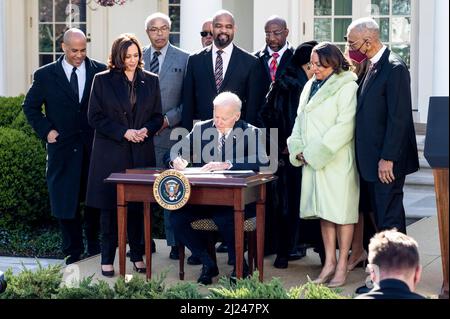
[74, 82]
[218, 73]
[274, 65]
[221, 146]
[154, 64]
[370, 73]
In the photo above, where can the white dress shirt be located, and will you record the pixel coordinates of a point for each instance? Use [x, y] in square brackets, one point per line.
[280, 52]
[161, 57]
[81, 75]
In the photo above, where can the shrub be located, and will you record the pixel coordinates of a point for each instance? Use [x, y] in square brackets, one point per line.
[41, 284]
[23, 190]
[42, 242]
[86, 290]
[315, 291]
[249, 288]
[139, 288]
[10, 107]
[185, 290]
[20, 123]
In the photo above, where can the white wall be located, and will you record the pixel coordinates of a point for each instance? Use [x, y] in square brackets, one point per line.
[263, 9]
[441, 49]
[15, 67]
[193, 14]
[2, 48]
[243, 15]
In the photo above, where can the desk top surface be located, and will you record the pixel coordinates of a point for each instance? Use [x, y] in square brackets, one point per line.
[148, 176]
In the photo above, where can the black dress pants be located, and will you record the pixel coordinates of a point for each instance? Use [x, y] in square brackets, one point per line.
[108, 221]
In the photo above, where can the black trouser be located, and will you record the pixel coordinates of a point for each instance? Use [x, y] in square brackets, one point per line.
[387, 203]
[108, 220]
[197, 240]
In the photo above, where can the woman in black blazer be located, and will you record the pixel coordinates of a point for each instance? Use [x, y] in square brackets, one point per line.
[125, 111]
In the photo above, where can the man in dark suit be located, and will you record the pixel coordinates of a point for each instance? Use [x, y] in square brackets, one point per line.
[221, 67]
[394, 266]
[63, 88]
[275, 56]
[386, 148]
[169, 62]
[226, 143]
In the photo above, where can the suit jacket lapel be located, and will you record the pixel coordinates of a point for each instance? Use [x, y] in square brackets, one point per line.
[168, 61]
[90, 72]
[362, 94]
[232, 65]
[141, 95]
[120, 90]
[207, 61]
[284, 60]
[62, 80]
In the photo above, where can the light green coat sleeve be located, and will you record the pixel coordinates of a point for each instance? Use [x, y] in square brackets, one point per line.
[320, 151]
[295, 143]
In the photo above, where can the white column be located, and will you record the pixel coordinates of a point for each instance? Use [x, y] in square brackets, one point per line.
[193, 13]
[441, 49]
[2, 49]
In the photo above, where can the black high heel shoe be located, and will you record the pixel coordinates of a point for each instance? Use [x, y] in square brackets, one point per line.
[108, 273]
[139, 270]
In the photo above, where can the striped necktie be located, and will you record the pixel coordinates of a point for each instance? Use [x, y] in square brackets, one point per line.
[274, 65]
[154, 64]
[218, 73]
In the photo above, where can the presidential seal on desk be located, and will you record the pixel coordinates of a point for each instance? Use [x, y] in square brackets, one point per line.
[171, 189]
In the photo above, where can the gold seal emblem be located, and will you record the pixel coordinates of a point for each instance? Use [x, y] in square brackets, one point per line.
[171, 189]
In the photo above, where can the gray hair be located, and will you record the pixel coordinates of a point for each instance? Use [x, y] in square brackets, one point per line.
[364, 25]
[73, 32]
[158, 15]
[228, 98]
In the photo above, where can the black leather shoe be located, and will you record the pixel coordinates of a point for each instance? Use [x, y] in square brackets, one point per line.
[245, 274]
[193, 260]
[281, 262]
[174, 253]
[139, 270]
[71, 260]
[362, 290]
[299, 254]
[208, 272]
[153, 246]
[222, 248]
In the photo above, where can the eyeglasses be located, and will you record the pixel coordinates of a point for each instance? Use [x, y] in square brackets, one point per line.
[351, 44]
[311, 64]
[155, 30]
[205, 33]
[275, 33]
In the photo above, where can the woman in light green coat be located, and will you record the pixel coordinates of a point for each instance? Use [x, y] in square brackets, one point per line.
[322, 140]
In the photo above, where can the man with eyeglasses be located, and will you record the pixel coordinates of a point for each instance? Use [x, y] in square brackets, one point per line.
[169, 62]
[221, 67]
[385, 140]
[206, 33]
[276, 54]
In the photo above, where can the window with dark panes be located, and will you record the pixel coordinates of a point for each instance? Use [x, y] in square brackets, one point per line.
[174, 14]
[55, 17]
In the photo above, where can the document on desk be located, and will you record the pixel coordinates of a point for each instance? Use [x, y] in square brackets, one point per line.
[197, 170]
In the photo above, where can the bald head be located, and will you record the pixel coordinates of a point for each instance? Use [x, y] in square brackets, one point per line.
[73, 33]
[74, 47]
[277, 21]
[223, 13]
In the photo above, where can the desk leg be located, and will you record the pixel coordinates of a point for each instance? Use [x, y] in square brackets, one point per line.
[148, 239]
[260, 227]
[122, 227]
[239, 241]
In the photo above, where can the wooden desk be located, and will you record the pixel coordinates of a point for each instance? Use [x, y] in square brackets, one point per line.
[235, 190]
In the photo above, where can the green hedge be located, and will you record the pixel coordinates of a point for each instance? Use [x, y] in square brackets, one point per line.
[47, 283]
[23, 190]
[10, 107]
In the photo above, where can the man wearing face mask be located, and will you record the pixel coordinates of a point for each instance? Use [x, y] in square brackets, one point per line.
[223, 66]
[386, 148]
